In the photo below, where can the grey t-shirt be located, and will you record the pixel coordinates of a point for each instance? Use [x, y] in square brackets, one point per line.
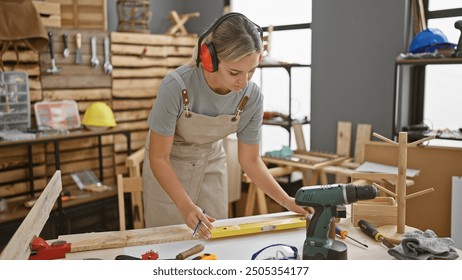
[169, 105]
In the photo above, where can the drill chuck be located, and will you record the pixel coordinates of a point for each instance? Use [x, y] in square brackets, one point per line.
[360, 193]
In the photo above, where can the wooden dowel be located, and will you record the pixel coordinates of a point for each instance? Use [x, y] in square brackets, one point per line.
[383, 138]
[385, 190]
[415, 143]
[412, 195]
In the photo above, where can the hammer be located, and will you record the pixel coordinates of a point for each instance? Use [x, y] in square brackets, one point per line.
[458, 52]
[53, 68]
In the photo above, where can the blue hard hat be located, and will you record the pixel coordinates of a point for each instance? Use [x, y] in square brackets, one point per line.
[430, 40]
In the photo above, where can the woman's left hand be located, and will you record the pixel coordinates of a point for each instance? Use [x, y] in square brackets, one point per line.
[292, 206]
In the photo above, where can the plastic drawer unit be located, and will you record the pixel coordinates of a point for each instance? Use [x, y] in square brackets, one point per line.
[14, 101]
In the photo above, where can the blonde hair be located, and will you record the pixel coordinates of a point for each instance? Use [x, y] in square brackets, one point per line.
[234, 38]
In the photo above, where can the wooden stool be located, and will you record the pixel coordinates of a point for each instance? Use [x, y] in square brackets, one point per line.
[178, 22]
[256, 193]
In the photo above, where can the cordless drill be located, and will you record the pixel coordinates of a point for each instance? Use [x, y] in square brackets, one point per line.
[325, 199]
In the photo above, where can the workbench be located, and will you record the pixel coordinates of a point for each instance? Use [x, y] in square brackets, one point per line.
[170, 240]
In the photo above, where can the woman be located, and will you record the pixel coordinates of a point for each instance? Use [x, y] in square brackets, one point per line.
[199, 104]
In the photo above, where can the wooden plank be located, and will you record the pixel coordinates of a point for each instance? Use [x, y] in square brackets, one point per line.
[120, 239]
[140, 39]
[139, 50]
[344, 138]
[363, 135]
[87, 82]
[25, 56]
[84, 164]
[179, 50]
[140, 72]
[123, 116]
[135, 93]
[14, 175]
[35, 95]
[30, 69]
[77, 94]
[184, 40]
[132, 104]
[136, 61]
[135, 145]
[176, 61]
[35, 84]
[80, 154]
[7, 153]
[138, 125]
[19, 246]
[22, 187]
[81, 143]
[18, 160]
[136, 83]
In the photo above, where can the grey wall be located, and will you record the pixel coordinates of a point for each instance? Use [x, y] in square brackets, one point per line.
[355, 44]
[208, 9]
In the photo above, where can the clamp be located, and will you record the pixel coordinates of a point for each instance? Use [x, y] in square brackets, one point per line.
[41, 250]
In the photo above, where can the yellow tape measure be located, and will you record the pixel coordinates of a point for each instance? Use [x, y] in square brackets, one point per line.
[259, 226]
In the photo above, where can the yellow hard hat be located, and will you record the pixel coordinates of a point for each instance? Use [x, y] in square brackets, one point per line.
[100, 115]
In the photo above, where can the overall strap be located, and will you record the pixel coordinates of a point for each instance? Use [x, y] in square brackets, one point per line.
[240, 107]
[184, 92]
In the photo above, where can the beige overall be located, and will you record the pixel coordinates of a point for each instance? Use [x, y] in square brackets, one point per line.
[199, 161]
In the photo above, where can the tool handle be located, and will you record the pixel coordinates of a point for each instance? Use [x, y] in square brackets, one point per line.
[65, 39]
[194, 250]
[93, 45]
[126, 257]
[78, 40]
[52, 51]
[342, 233]
[370, 230]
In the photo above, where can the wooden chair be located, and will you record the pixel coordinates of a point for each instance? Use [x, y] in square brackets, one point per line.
[133, 163]
[134, 186]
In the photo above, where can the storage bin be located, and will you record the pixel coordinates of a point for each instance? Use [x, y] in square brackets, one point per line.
[14, 101]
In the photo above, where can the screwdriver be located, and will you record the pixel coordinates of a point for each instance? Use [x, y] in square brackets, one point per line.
[344, 234]
[72, 197]
[370, 230]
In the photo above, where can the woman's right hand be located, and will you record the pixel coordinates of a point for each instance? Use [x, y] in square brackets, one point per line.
[193, 215]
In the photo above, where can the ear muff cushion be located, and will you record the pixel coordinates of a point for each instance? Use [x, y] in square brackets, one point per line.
[209, 58]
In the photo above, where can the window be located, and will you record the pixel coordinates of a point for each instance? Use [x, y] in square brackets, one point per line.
[443, 90]
[291, 42]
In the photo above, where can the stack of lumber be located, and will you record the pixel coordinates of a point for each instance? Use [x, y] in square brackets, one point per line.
[140, 63]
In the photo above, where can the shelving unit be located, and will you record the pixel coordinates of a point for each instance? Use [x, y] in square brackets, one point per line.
[408, 106]
[286, 124]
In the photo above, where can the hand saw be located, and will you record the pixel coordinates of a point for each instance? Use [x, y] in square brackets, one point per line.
[259, 226]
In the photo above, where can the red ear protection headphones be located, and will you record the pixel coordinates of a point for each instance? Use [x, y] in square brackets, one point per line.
[206, 53]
